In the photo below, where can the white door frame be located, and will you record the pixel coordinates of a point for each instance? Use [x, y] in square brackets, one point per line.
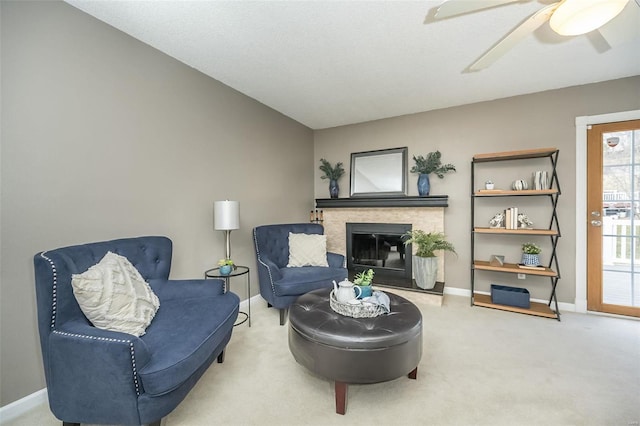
[582, 123]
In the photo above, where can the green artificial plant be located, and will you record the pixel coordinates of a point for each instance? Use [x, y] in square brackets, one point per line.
[531, 248]
[431, 164]
[330, 172]
[364, 277]
[427, 243]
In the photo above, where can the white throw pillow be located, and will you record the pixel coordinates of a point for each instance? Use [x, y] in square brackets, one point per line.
[307, 250]
[113, 296]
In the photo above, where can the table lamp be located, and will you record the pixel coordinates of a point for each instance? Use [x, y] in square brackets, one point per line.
[226, 217]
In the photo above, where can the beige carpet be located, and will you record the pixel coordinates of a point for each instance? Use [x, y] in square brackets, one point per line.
[480, 367]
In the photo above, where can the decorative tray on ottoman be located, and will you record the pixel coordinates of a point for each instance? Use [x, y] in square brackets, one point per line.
[355, 310]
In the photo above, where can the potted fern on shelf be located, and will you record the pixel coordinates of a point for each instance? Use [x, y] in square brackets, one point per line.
[425, 262]
[333, 174]
[425, 166]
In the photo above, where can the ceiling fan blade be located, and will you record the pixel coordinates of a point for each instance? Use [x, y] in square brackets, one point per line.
[458, 7]
[624, 27]
[531, 24]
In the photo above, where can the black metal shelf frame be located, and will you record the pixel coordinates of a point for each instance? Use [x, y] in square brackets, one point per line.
[553, 224]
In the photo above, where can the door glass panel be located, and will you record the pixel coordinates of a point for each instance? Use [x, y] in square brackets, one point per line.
[621, 224]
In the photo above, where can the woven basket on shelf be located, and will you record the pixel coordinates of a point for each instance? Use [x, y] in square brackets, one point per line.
[360, 310]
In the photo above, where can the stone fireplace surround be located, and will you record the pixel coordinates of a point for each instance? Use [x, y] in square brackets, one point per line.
[426, 213]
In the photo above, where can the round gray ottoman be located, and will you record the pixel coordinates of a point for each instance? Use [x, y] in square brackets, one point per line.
[355, 350]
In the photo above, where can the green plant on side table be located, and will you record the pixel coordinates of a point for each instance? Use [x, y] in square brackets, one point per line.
[226, 266]
[333, 174]
[364, 280]
[425, 166]
[530, 252]
[425, 262]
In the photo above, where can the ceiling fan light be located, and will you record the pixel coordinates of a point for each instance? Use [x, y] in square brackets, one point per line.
[575, 17]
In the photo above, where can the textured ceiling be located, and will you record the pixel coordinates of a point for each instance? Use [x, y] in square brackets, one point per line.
[330, 63]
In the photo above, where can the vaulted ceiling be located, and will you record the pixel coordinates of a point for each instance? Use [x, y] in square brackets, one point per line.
[330, 63]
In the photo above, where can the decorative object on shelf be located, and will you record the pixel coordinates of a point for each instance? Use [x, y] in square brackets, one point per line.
[524, 222]
[316, 216]
[226, 266]
[363, 280]
[425, 262]
[226, 217]
[519, 185]
[510, 296]
[496, 260]
[489, 185]
[497, 221]
[540, 180]
[345, 292]
[530, 252]
[333, 174]
[425, 166]
[511, 218]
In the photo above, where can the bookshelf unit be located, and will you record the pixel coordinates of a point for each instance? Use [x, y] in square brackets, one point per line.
[552, 270]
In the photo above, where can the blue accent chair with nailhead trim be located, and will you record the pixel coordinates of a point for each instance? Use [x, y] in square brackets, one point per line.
[106, 377]
[280, 285]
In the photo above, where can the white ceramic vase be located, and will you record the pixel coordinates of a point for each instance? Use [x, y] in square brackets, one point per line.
[425, 270]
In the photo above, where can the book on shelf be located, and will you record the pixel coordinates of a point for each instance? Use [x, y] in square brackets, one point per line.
[523, 266]
[511, 218]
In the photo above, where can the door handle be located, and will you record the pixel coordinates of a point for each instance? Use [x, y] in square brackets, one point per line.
[596, 223]
[595, 213]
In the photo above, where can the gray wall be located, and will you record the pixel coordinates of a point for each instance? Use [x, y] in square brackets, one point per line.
[539, 120]
[104, 137]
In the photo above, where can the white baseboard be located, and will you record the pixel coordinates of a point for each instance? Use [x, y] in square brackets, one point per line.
[21, 406]
[581, 306]
[457, 291]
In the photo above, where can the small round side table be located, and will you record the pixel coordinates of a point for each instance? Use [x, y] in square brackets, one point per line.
[236, 272]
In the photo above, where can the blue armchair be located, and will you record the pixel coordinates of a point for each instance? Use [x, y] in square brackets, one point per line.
[280, 285]
[106, 377]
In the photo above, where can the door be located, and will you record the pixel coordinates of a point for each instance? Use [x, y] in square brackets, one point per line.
[613, 218]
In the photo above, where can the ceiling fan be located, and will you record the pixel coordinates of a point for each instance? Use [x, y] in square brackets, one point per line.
[565, 17]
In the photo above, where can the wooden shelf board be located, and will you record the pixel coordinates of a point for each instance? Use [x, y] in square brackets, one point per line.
[506, 193]
[513, 269]
[485, 230]
[515, 155]
[537, 309]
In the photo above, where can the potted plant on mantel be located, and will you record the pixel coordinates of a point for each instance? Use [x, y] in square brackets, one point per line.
[425, 166]
[425, 262]
[333, 174]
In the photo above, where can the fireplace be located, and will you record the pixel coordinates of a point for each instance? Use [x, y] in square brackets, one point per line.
[426, 213]
[379, 246]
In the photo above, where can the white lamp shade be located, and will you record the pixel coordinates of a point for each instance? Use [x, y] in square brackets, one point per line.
[575, 17]
[226, 215]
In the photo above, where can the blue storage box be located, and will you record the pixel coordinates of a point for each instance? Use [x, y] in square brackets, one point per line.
[510, 296]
